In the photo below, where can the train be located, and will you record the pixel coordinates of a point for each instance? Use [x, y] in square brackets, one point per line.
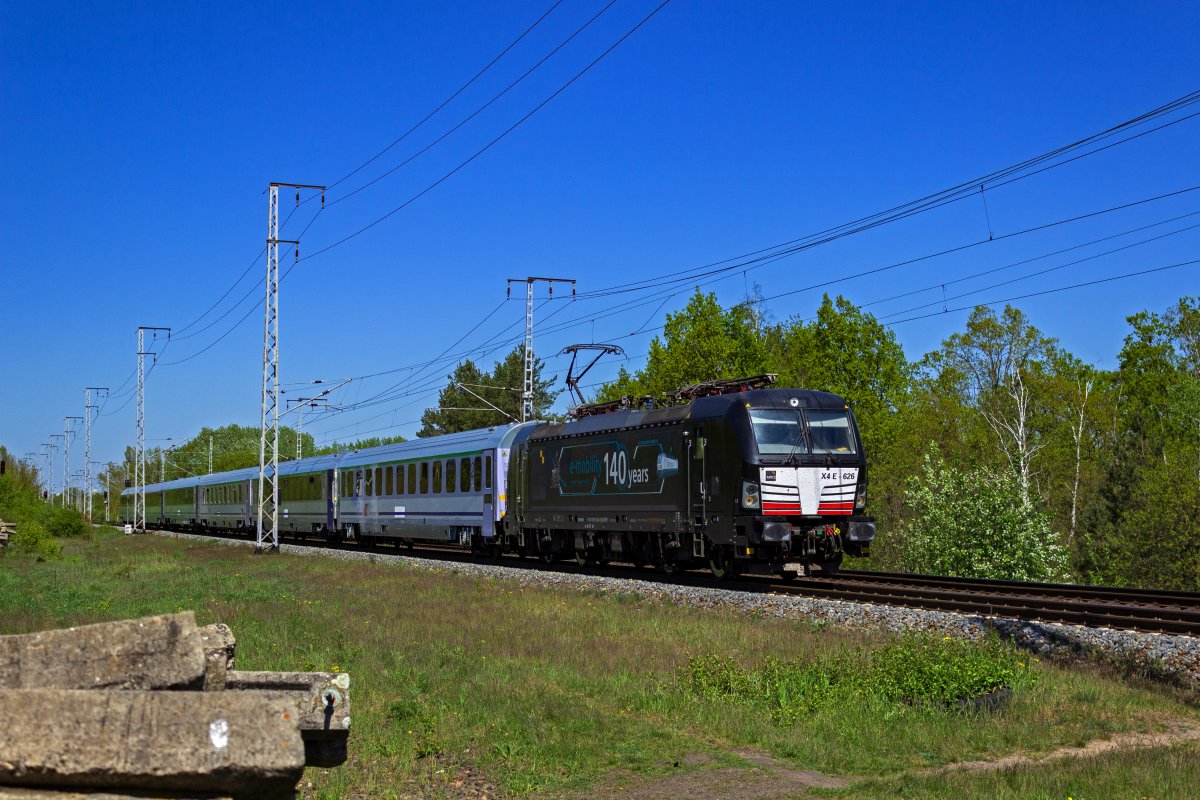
[739, 475]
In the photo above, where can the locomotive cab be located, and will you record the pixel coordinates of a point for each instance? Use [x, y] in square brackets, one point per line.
[804, 481]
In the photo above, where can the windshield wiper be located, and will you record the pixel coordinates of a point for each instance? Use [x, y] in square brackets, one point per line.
[795, 446]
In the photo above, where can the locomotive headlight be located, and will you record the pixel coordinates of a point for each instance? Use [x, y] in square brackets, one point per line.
[860, 500]
[750, 496]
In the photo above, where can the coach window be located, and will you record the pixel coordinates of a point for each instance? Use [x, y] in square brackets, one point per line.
[487, 472]
[412, 478]
[450, 480]
[424, 477]
[379, 481]
[399, 479]
[478, 483]
[358, 483]
[437, 477]
[389, 472]
[464, 475]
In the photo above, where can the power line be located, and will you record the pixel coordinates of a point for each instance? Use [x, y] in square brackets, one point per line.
[477, 111]
[1042, 271]
[373, 158]
[996, 179]
[1051, 291]
[449, 99]
[494, 141]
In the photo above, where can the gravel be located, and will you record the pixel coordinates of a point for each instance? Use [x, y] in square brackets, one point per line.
[1171, 658]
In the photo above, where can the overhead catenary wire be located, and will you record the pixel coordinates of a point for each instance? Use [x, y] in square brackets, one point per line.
[495, 140]
[477, 111]
[449, 99]
[382, 152]
[1056, 290]
[995, 179]
[447, 175]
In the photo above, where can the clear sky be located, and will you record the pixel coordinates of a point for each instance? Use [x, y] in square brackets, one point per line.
[136, 140]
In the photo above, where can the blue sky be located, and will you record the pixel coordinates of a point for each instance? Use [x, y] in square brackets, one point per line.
[136, 140]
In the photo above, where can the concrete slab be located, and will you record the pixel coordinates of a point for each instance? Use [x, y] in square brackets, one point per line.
[242, 744]
[162, 652]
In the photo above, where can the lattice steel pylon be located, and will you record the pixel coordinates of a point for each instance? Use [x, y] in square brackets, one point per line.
[267, 532]
[527, 390]
[88, 410]
[44, 467]
[139, 464]
[67, 431]
[50, 467]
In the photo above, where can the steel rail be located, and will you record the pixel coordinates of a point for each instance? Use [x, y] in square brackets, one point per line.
[1003, 599]
[1179, 598]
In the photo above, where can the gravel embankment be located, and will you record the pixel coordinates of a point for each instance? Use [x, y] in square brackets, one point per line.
[1165, 657]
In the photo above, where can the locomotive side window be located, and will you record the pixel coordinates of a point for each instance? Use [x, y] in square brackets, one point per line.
[450, 482]
[424, 477]
[412, 478]
[830, 432]
[437, 477]
[464, 475]
[778, 431]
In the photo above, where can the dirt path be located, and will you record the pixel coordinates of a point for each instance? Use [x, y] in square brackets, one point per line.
[1176, 733]
[768, 779]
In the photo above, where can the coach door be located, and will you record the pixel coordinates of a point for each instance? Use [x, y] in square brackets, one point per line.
[331, 498]
[490, 505]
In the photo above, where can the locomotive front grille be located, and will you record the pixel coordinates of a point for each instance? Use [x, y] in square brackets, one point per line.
[808, 491]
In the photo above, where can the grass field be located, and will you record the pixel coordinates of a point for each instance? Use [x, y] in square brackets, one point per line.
[461, 683]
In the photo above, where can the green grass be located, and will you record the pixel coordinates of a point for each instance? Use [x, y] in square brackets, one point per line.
[552, 692]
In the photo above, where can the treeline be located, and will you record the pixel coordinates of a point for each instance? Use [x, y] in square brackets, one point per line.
[998, 452]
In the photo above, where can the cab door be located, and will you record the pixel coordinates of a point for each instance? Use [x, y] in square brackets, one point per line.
[697, 477]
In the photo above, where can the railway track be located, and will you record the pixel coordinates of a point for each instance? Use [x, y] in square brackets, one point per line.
[1121, 608]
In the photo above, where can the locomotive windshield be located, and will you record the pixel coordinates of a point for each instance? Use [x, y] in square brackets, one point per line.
[830, 432]
[778, 431]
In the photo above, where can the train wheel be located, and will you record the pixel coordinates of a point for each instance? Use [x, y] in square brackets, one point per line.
[669, 567]
[548, 556]
[721, 562]
[581, 558]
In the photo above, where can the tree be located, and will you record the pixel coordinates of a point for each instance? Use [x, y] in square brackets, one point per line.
[1001, 362]
[702, 342]
[473, 399]
[977, 523]
[848, 352]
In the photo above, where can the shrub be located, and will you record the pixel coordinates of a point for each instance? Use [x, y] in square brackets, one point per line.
[923, 668]
[976, 524]
[64, 523]
[32, 537]
[915, 670]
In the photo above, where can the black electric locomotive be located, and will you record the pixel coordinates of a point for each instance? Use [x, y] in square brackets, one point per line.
[743, 477]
